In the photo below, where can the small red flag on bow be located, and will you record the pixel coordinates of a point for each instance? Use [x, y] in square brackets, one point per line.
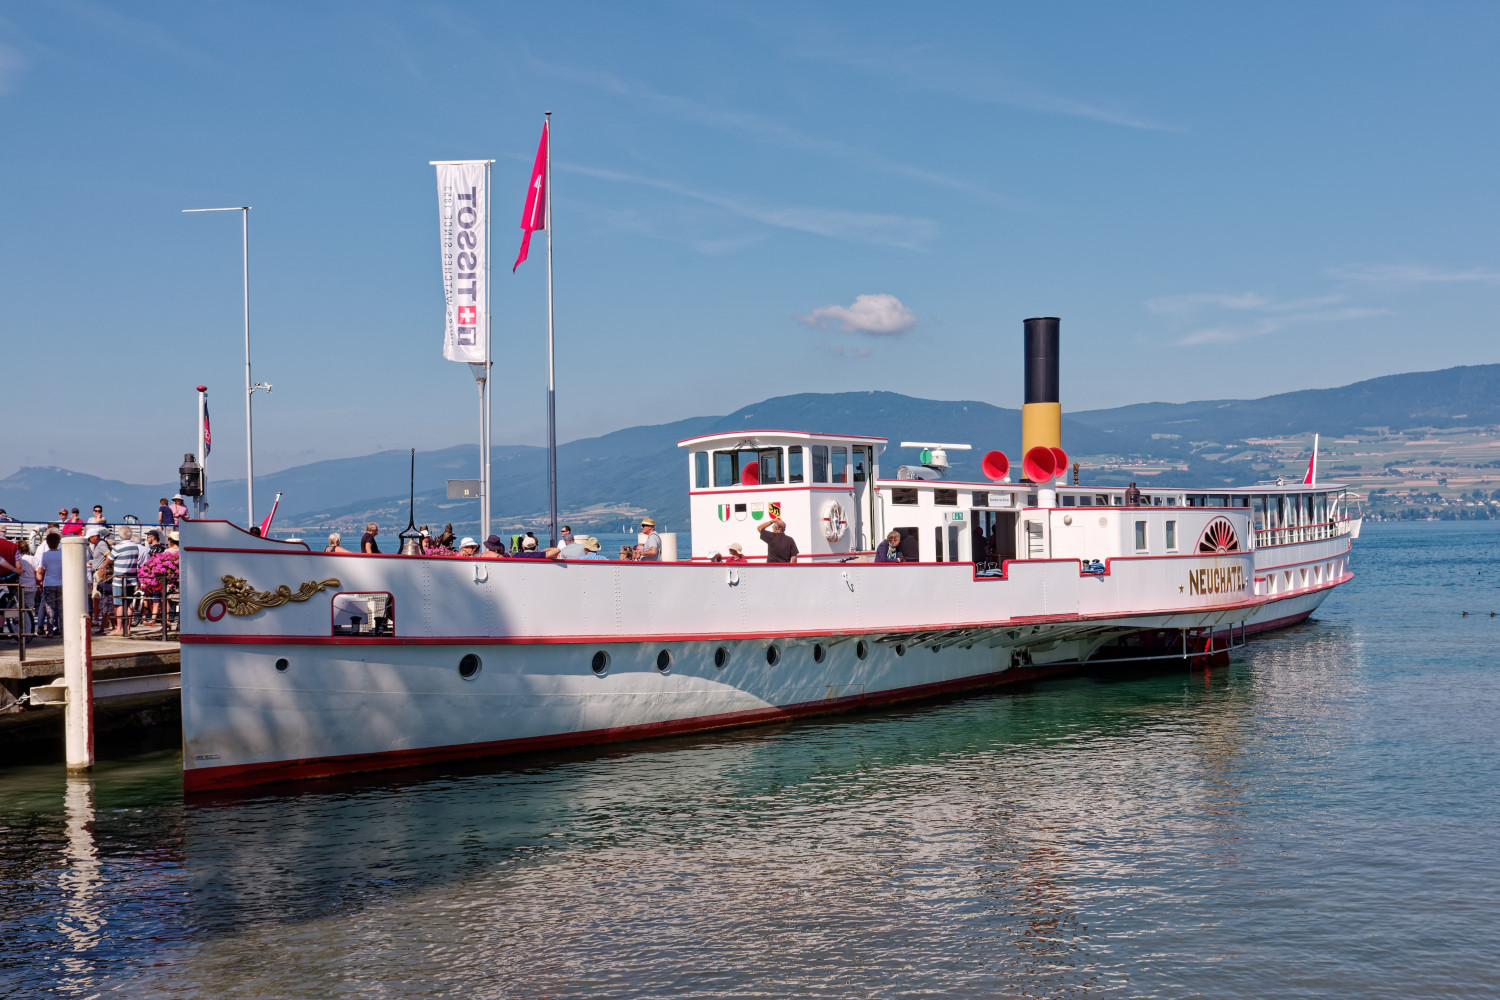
[534, 217]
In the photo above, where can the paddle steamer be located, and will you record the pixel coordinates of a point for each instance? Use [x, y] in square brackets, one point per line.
[298, 664]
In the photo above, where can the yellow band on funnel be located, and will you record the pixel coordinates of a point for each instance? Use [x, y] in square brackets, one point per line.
[1041, 424]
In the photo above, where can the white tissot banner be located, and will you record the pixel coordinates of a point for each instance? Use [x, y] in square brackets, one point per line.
[463, 214]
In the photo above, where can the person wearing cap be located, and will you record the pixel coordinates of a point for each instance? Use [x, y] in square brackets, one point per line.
[780, 548]
[649, 550]
[494, 548]
[468, 547]
[96, 555]
[572, 548]
[736, 553]
[72, 524]
[530, 549]
[591, 549]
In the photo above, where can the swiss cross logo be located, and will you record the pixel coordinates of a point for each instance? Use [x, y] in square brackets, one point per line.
[468, 315]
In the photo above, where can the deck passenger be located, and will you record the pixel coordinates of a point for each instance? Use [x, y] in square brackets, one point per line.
[650, 548]
[890, 549]
[468, 547]
[591, 549]
[736, 553]
[627, 553]
[367, 541]
[494, 548]
[572, 546]
[779, 547]
[334, 540]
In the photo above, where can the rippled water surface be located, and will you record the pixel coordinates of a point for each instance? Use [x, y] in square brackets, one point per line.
[1317, 819]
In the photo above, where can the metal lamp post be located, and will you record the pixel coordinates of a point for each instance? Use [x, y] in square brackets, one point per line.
[250, 386]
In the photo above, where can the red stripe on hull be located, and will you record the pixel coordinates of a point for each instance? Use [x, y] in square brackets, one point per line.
[203, 779]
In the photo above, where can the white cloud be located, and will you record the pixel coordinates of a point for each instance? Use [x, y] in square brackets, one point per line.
[879, 315]
[1228, 334]
[907, 232]
[1412, 274]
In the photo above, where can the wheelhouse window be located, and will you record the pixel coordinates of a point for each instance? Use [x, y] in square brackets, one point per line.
[980, 500]
[1085, 501]
[1171, 536]
[840, 464]
[945, 498]
[1069, 500]
[905, 496]
[861, 462]
[1140, 536]
[726, 468]
[700, 470]
[794, 464]
[819, 454]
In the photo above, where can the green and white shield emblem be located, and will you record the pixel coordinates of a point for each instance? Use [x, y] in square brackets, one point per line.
[757, 511]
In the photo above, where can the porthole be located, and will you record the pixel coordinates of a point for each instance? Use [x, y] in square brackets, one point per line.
[600, 665]
[819, 652]
[773, 655]
[721, 657]
[900, 649]
[664, 660]
[861, 649]
[282, 664]
[468, 667]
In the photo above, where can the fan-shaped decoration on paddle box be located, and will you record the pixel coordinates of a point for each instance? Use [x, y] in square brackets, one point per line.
[1219, 536]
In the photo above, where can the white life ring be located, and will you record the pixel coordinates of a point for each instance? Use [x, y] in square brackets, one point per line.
[835, 524]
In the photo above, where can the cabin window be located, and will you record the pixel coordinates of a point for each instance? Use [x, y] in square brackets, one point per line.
[771, 465]
[1119, 500]
[1322, 508]
[945, 498]
[905, 496]
[937, 542]
[726, 468]
[1031, 499]
[1140, 536]
[1258, 514]
[1240, 501]
[700, 470]
[1194, 500]
[861, 462]
[840, 464]
[364, 614]
[1218, 501]
[911, 544]
[1171, 501]
[794, 464]
[1070, 500]
[1171, 536]
[819, 463]
[1101, 499]
[980, 500]
[1085, 501]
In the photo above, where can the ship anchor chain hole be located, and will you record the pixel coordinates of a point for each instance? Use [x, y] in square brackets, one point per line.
[282, 663]
[773, 655]
[819, 652]
[600, 664]
[861, 649]
[468, 667]
[721, 657]
[664, 660]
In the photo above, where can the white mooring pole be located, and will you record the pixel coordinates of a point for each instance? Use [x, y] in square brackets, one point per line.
[78, 713]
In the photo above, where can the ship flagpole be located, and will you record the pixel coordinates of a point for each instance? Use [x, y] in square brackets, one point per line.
[551, 374]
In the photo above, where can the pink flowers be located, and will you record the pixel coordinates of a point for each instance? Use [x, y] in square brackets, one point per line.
[158, 570]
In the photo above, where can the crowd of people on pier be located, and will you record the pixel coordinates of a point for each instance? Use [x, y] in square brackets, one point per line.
[130, 569]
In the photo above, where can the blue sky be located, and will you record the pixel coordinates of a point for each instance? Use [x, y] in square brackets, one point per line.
[750, 200]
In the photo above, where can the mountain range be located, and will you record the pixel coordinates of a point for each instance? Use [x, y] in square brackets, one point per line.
[608, 480]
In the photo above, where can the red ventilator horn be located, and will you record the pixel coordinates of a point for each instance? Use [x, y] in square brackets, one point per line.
[995, 465]
[750, 475]
[1059, 462]
[1039, 464]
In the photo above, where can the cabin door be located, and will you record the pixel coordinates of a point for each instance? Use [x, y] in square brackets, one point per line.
[860, 519]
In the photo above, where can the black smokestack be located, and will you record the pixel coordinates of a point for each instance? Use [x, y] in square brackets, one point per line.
[1041, 359]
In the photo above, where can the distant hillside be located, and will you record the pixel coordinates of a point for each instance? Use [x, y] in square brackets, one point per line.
[604, 480]
[1454, 397]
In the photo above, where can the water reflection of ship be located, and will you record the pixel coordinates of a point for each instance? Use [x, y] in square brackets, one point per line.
[943, 824]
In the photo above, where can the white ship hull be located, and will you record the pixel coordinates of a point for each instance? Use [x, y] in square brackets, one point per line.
[272, 693]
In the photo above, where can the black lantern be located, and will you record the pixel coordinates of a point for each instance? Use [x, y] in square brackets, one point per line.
[190, 477]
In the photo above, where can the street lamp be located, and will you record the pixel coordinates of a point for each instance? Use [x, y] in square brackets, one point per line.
[250, 386]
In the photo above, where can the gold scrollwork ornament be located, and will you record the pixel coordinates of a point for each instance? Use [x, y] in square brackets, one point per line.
[237, 597]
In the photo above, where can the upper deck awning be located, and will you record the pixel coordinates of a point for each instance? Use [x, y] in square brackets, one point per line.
[766, 437]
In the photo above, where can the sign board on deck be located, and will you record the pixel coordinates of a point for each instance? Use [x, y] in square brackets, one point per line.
[463, 489]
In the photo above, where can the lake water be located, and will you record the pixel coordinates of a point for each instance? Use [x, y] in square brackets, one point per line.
[1318, 819]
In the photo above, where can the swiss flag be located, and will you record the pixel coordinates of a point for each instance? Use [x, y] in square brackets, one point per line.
[534, 216]
[468, 315]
